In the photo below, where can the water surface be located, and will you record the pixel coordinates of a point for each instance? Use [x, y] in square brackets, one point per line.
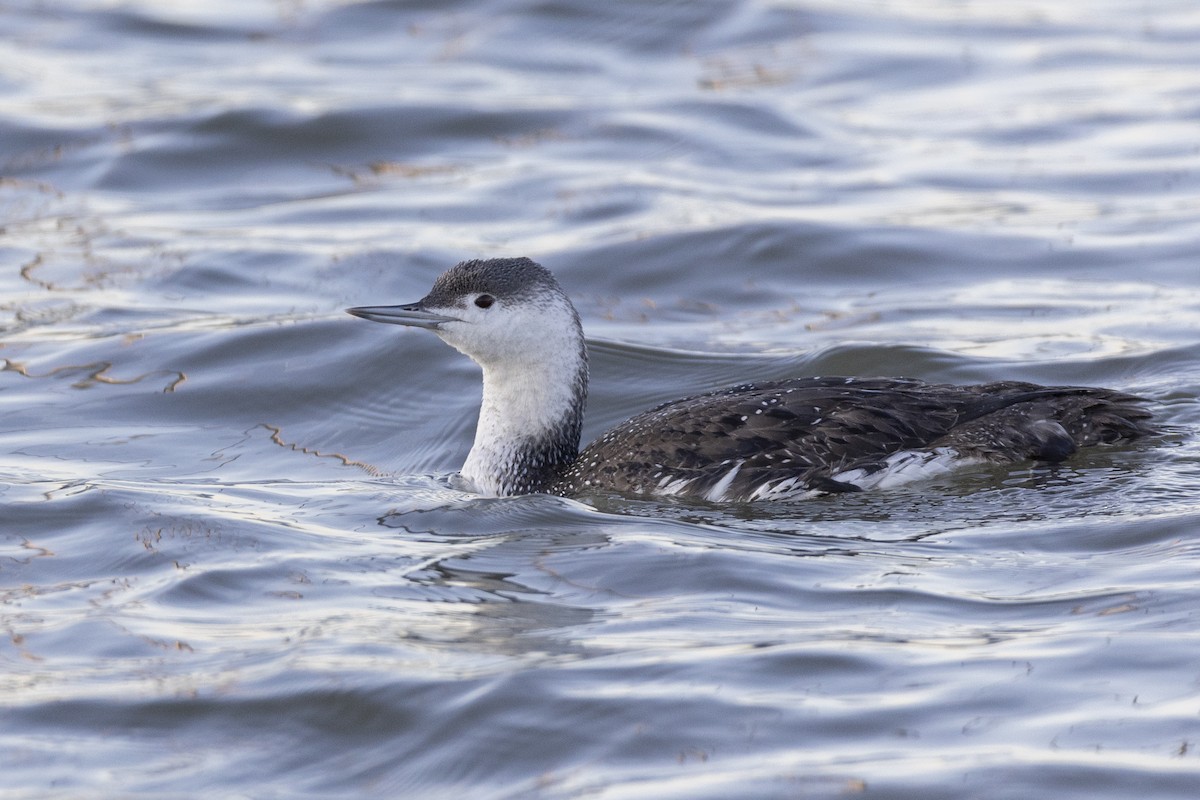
[231, 560]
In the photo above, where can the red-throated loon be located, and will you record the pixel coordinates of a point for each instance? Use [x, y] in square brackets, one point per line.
[771, 440]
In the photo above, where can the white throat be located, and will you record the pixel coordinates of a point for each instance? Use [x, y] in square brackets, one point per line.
[531, 413]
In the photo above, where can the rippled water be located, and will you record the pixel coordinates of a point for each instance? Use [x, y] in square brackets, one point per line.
[231, 563]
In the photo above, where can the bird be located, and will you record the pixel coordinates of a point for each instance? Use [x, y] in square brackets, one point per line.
[770, 440]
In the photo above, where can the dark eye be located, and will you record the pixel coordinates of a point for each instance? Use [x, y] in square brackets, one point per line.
[484, 301]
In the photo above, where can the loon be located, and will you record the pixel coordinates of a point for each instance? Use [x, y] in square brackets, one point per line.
[773, 440]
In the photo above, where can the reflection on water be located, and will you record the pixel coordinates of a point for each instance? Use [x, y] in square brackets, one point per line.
[232, 557]
[93, 374]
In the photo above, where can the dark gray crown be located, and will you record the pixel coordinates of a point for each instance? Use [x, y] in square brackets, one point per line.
[506, 278]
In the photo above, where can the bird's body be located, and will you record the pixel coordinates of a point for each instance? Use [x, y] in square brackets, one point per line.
[755, 441]
[790, 438]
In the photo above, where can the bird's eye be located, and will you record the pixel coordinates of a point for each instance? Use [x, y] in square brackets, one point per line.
[484, 301]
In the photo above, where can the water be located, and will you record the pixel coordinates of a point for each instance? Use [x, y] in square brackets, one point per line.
[232, 564]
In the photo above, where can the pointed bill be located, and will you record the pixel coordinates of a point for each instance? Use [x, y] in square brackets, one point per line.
[411, 314]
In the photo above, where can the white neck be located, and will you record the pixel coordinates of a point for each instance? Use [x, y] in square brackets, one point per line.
[529, 420]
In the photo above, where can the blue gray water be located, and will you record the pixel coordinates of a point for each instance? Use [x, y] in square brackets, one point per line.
[232, 565]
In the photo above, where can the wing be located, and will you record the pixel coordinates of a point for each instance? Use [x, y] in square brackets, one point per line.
[786, 438]
[793, 435]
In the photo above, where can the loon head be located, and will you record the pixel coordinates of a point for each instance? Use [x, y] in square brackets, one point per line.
[511, 317]
[502, 312]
